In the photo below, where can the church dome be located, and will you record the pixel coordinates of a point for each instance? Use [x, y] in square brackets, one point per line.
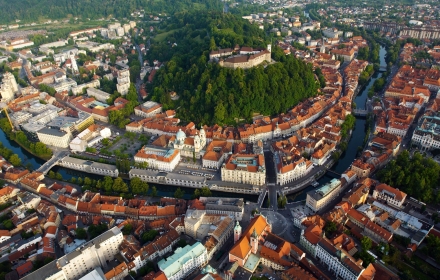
[180, 136]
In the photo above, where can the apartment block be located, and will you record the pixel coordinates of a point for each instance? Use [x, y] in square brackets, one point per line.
[318, 199]
[244, 169]
[184, 261]
[158, 158]
[93, 254]
[98, 94]
[389, 194]
[54, 137]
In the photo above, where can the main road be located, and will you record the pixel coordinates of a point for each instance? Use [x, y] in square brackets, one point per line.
[141, 61]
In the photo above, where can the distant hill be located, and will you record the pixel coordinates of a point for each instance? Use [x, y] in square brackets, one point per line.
[33, 10]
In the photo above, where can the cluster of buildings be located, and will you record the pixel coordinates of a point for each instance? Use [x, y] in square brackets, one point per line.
[409, 52]
[208, 220]
[257, 245]
[378, 216]
[308, 131]
[16, 44]
[409, 90]
[426, 134]
[421, 18]
[289, 23]
[117, 30]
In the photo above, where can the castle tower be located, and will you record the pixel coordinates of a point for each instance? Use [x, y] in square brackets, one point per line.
[196, 143]
[254, 242]
[269, 47]
[202, 136]
[237, 232]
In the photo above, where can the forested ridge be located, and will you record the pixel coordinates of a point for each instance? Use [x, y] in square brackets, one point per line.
[33, 10]
[212, 94]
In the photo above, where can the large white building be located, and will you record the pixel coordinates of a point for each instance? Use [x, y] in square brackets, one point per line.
[216, 228]
[9, 87]
[54, 137]
[289, 170]
[89, 137]
[63, 85]
[73, 266]
[98, 94]
[158, 158]
[233, 207]
[90, 167]
[244, 169]
[148, 109]
[427, 134]
[184, 261]
[318, 199]
[331, 32]
[78, 89]
[154, 176]
[339, 262]
[123, 78]
[391, 195]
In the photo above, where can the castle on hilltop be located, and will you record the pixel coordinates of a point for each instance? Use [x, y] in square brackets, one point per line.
[244, 57]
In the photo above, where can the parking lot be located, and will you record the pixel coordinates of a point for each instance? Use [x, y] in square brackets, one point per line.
[118, 145]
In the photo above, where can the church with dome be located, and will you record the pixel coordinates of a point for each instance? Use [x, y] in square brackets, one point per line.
[189, 146]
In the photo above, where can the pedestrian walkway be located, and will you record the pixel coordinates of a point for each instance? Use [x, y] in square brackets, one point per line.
[261, 197]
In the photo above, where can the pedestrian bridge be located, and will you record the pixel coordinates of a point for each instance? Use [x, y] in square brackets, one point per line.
[360, 112]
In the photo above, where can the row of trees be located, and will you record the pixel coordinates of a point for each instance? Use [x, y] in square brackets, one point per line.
[9, 155]
[37, 148]
[418, 176]
[377, 86]
[366, 74]
[117, 185]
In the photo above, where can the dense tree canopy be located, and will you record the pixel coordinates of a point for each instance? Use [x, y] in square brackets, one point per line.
[210, 93]
[96, 230]
[33, 10]
[417, 176]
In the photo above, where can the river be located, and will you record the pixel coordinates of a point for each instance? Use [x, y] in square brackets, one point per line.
[362, 97]
[162, 190]
[356, 139]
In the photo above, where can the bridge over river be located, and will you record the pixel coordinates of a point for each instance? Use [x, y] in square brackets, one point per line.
[54, 160]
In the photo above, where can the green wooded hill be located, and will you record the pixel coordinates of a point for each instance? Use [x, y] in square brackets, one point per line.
[33, 10]
[212, 94]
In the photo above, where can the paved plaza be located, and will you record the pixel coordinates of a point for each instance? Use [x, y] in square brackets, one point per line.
[278, 221]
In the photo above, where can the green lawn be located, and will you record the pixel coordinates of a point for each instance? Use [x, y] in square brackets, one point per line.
[226, 31]
[162, 36]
